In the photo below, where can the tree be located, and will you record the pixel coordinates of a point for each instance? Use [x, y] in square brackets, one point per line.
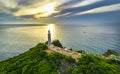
[91, 64]
[81, 51]
[57, 43]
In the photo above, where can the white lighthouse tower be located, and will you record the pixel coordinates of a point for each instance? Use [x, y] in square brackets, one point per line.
[49, 38]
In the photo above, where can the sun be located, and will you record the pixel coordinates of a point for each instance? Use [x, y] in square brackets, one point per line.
[49, 8]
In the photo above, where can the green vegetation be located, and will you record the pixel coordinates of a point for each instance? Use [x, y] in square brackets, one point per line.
[81, 51]
[91, 64]
[57, 43]
[37, 61]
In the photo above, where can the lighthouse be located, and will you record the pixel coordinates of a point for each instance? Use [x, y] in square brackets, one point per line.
[49, 38]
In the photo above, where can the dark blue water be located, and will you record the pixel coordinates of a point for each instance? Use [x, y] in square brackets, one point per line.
[92, 39]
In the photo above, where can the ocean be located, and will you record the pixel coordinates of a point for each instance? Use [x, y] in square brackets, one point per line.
[15, 40]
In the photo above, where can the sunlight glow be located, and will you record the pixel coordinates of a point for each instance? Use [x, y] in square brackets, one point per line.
[51, 27]
[49, 8]
[44, 10]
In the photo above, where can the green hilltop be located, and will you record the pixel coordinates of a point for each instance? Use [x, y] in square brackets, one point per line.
[37, 61]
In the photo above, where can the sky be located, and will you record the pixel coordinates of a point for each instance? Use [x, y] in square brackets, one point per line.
[85, 12]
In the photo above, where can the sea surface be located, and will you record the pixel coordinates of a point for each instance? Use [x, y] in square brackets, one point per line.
[15, 40]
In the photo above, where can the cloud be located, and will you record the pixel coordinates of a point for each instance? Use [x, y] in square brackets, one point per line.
[9, 3]
[103, 9]
[65, 14]
[40, 11]
[36, 8]
[8, 6]
[3, 9]
[53, 9]
[81, 3]
[86, 2]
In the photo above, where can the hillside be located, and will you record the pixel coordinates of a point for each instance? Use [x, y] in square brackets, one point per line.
[37, 61]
